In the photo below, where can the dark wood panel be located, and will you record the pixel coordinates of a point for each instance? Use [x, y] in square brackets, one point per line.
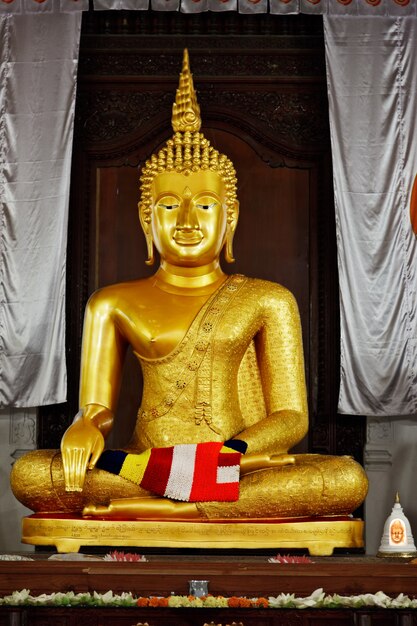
[37, 616]
[242, 576]
[236, 576]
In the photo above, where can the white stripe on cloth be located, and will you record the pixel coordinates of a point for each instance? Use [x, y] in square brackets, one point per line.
[228, 474]
[181, 476]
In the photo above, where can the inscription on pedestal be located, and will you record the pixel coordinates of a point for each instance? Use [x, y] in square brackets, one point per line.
[69, 535]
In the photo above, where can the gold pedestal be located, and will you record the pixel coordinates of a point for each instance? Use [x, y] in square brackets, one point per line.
[319, 536]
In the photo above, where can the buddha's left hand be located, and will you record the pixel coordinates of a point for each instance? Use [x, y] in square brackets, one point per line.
[255, 462]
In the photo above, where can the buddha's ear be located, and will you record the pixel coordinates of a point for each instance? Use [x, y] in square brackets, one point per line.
[230, 232]
[145, 222]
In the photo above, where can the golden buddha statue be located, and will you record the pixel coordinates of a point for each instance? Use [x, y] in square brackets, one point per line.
[222, 360]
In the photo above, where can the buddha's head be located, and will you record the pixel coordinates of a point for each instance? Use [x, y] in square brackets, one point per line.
[397, 532]
[188, 206]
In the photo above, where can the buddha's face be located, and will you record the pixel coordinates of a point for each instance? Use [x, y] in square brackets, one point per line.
[397, 532]
[188, 217]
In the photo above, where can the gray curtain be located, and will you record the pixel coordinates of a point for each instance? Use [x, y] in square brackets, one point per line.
[372, 72]
[38, 68]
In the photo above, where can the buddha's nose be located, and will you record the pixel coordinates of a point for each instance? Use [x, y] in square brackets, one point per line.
[187, 218]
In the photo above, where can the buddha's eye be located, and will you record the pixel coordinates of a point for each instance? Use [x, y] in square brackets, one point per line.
[168, 207]
[206, 207]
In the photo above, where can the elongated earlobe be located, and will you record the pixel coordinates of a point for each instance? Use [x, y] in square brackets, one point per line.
[149, 244]
[145, 221]
[228, 247]
[232, 217]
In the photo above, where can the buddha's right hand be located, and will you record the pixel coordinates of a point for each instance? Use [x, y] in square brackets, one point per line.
[81, 447]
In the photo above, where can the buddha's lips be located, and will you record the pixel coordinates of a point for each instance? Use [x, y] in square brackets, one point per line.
[188, 237]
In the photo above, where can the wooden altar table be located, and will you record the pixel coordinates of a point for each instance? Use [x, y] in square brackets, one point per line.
[250, 576]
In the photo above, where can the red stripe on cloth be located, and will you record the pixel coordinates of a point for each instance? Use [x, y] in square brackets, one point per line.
[205, 487]
[157, 471]
[205, 471]
[229, 492]
[227, 459]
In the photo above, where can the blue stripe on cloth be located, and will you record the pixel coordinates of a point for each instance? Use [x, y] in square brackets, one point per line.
[112, 461]
[236, 444]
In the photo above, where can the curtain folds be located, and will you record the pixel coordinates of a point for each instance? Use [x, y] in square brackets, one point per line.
[372, 70]
[326, 7]
[38, 67]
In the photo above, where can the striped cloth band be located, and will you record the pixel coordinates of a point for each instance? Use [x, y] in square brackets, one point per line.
[202, 472]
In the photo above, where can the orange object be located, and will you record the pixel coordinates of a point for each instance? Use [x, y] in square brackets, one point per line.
[413, 206]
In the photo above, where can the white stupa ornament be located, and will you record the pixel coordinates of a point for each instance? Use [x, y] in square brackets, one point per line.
[397, 539]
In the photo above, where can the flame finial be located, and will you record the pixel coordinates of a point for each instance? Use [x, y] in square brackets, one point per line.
[185, 110]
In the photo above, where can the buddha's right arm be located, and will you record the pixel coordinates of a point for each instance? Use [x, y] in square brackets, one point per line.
[101, 364]
[103, 351]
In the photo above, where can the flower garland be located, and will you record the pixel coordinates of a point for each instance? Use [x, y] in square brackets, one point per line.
[317, 600]
[117, 555]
